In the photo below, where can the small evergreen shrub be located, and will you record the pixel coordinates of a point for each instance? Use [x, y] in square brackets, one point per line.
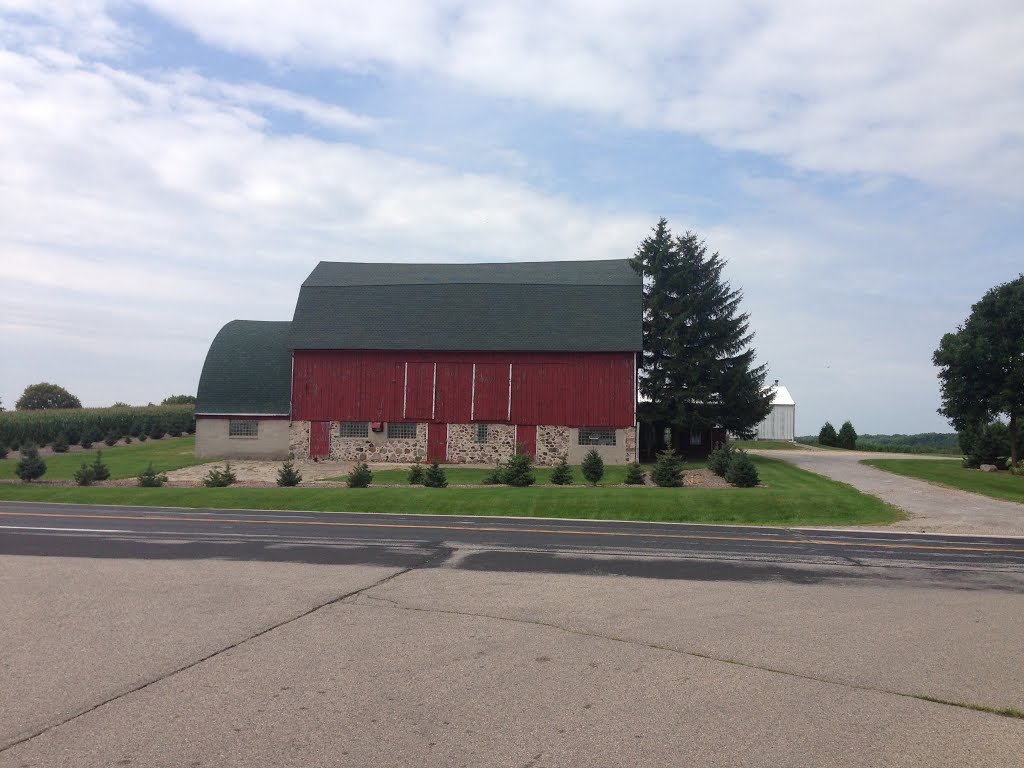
[416, 473]
[435, 477]
[86, 443]
[143, 437]
[288, 476]
[593, 466]
[219, 477]
[360, 476]
[135, 430]
[720, 458]
[496, 476]
[667, 472]
[157, 430]
[742, 473]
[3, 451]
[519, 470]
[84, 475]
[149, 478]
[100, 471]
[15, 444]
[30, 466]
[111, 439]
[60, 445]
[634, 475]
[127, 439]
[73, 434]
[562, 473]
[93, 435]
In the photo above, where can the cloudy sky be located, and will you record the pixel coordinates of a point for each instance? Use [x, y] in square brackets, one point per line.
[171, 165]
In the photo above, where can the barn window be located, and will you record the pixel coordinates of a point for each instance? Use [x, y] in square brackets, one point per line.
[354, 428]
[481, 433]
[243, 428]
[596, 437]
[401, 431]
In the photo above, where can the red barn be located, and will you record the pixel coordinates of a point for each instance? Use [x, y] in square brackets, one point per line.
[454, 362]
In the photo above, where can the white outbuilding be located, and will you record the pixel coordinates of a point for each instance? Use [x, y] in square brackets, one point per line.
[780, 424]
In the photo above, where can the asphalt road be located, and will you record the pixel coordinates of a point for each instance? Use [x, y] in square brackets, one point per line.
[514, 544]
[171, 637]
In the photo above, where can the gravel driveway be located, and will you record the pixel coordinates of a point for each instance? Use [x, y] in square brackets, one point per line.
[932, 508]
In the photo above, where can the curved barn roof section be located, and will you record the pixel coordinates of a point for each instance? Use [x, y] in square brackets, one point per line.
[573, 306]
[247, 371]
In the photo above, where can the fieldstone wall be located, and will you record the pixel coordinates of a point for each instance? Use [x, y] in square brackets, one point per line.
[630, 440]
[378, 447]
[298, 440]
[462, 449]
[552, 444]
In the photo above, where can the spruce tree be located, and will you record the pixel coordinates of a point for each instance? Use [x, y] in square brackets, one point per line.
[435, 476]
[668, 471]
[593, 466]
[698, 366]
[30, 466]
[99, 469]
[288, 476]
[634, 475]
[562, 473]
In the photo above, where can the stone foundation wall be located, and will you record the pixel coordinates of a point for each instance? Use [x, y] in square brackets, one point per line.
[552, 444]
[463, 449]
[377, 447]
[298, 440]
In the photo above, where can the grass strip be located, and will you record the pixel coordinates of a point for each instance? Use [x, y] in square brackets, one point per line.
[123, 461]
[997, 485]
[794, 497]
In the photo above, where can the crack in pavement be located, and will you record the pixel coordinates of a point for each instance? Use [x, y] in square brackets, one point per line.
[1010, 712]
[441, 552]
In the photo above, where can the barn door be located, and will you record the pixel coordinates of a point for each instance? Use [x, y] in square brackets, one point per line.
[319, 439]
[437, 442]
[526, 436]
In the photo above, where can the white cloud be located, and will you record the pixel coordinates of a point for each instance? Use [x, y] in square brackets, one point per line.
[930, 90]
[138, 214]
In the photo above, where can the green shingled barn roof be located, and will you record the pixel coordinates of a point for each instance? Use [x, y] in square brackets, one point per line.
[248, 370]
[575, 306]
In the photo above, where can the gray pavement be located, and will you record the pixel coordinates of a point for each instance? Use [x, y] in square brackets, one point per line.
[932, 508]
[115, 662]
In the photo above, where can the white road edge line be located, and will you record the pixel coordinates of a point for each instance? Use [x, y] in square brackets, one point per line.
[72, 530]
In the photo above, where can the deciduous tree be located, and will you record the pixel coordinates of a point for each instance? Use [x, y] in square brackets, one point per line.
[981, 364]
[41, 396]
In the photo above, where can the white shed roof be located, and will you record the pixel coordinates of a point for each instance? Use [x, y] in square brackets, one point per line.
[781, 396]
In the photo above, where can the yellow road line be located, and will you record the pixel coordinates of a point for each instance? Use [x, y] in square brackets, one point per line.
[500, 529]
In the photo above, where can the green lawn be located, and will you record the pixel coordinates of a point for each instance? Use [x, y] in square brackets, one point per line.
[794, 497]
[613, 475]
[998, 485]
[768, 445]
[123, 460]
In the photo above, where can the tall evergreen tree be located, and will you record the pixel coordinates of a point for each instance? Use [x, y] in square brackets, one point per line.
[698, 366]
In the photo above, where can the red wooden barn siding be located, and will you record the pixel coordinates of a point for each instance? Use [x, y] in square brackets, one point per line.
[574, 389]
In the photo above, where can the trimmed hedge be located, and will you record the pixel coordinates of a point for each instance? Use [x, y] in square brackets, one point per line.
[43, 427]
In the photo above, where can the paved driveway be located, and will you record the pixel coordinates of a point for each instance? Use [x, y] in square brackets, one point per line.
[932, 508]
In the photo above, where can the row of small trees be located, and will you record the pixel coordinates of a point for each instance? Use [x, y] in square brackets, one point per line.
[845, 438]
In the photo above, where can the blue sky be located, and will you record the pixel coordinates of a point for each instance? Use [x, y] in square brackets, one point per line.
[173, 164]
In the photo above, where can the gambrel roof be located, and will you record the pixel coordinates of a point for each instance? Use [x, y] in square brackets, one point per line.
[592, 306]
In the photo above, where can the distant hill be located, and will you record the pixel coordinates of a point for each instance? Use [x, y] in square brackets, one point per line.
[926, 442]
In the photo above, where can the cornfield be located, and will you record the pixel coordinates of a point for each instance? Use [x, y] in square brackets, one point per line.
[19, 428]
